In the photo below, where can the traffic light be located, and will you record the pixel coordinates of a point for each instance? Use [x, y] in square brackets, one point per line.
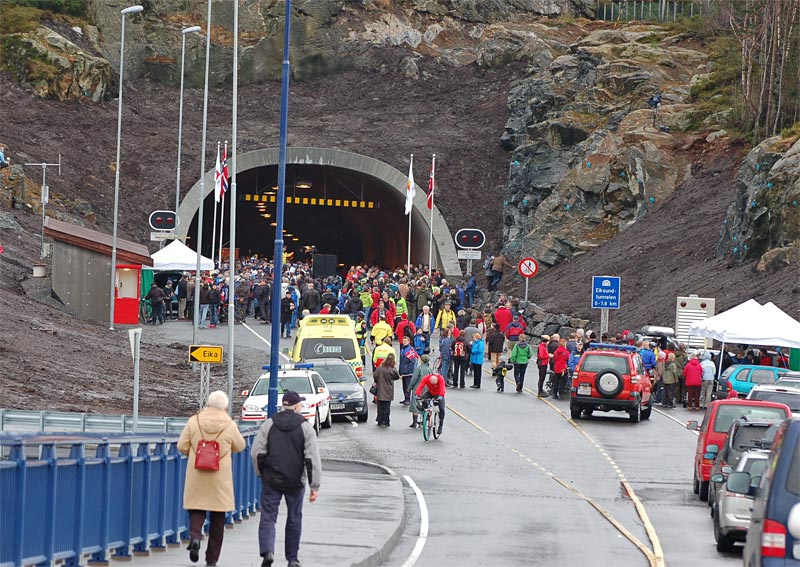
[163, 220]
[470, 238]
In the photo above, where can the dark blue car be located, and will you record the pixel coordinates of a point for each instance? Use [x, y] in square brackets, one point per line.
[773, 539]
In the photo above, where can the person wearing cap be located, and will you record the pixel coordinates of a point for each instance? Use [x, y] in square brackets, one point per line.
[287, 308]
[206, 490]
[286, 457]
[422, 370]
[156, 297]
[432, 387]
[542, 362]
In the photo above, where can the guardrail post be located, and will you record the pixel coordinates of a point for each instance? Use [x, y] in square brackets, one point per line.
[48, 453]
[160, 453]
[144, 528]
[2, 420]
[41, 421]
[83, 423]
[103, 453]
[125, 507]
[77, 453]
[17, 454]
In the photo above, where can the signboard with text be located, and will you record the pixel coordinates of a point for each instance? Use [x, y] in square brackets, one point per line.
[605, 292]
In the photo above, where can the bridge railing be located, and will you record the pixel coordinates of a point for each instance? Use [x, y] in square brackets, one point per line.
[64, 498]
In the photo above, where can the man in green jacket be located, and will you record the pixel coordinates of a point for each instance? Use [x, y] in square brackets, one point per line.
[519, 357]
[420, 372]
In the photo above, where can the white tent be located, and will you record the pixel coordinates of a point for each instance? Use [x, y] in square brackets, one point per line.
[751, 323]
[176, 256]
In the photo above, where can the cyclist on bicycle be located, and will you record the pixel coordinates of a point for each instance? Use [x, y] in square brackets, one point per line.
[433, 387]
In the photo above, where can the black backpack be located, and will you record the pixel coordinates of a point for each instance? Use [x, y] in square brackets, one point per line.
[407, 332]
[281, 467]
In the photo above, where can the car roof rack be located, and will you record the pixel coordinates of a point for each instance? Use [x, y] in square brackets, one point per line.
[609, 346]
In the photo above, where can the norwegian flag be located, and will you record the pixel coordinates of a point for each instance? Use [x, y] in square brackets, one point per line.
[224, 188]
[431, 182]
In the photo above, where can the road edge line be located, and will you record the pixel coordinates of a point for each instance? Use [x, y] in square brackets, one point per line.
[423, 524]
[265, 341]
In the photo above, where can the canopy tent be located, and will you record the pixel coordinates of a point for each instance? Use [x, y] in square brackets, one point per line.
[176, 256]
[751, 323]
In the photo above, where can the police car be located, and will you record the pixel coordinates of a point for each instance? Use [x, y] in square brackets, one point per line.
[300, 378]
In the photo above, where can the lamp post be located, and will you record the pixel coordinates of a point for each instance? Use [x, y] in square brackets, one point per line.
[193, 29]
[131, 10]
[232, 250]
[196, 300]
[278, 252]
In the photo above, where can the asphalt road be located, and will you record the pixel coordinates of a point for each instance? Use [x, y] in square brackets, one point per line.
[513, 481]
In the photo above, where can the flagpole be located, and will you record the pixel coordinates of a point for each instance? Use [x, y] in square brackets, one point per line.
[433, 190]
[217, 182]
[410, 213]
[222, 204]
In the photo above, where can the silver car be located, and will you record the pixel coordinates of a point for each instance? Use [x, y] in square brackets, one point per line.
[780, 393]
[731, 511]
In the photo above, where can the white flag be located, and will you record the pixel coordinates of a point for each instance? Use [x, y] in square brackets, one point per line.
[410, 188]
[217, 179]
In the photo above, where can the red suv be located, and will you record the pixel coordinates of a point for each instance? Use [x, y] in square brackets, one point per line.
[611, 377]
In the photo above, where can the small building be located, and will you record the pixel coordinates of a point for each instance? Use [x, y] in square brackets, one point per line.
[81, 268]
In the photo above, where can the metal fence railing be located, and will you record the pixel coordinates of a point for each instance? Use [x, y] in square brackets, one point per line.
[68, 498]
[30, 420]
[647, 10]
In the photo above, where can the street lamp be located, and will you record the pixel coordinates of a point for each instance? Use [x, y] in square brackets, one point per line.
[132, 10]
[193, 29]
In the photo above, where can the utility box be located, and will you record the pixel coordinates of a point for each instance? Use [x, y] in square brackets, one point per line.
[688, 310]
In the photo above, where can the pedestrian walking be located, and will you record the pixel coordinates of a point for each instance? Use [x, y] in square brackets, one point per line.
[209, 490]
[670, 378]
[446, 352]
[495, 340]
[519, 357]
[693, 372]
[707, 382]
[385, 377]
[408, 361]
[287, 308]
[460, 360]
[286, 457]
[476, 360]
[156, 297]
[560, 359]
[422, 370]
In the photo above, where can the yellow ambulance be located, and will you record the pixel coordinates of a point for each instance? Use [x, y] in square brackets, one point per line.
[328, 336]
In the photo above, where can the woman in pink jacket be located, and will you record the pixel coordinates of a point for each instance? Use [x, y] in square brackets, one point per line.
[693, 373]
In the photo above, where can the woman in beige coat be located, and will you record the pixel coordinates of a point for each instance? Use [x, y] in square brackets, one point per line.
[209, 491]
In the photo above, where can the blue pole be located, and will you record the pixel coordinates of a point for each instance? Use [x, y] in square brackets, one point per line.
[274, 351]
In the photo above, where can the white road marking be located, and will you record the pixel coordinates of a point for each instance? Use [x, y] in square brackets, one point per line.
[423, 524]
[265, 341]
[351, 420]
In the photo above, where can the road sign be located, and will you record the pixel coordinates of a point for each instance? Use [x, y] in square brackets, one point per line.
[528, 267]
[605, 292]
[205, 353]
[469, 254]
[162, 235]
[163, 220]
[470, 238]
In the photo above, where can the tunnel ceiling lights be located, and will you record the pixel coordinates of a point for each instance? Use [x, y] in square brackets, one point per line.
[303, 185]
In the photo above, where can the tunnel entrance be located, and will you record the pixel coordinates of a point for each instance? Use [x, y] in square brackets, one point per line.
[338, 203]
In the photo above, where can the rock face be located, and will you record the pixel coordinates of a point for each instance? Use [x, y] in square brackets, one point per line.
[54, 67]
[763, 223]
[588, 155]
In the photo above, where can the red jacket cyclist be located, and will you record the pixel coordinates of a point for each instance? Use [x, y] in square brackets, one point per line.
[433, 386]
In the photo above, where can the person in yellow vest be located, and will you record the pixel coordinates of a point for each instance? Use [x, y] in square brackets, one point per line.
[445, 317]
[381, 330]
[361, 334]
[381, 351]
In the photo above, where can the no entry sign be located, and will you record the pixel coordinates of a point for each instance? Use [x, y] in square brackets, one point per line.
[528, 267]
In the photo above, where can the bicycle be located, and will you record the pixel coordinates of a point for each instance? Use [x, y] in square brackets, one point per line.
[430, 418]
[145, 312]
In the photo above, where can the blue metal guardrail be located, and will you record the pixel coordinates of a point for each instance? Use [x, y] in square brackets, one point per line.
[59, 503]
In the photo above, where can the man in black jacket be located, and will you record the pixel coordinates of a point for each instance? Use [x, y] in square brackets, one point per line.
[287, 308]
[286, 457]
[311, 299]
[156, 297]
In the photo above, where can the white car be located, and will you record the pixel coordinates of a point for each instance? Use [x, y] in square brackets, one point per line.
[777, 393]
[300, 378]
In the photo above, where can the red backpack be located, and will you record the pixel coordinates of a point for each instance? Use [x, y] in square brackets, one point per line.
[458, 349]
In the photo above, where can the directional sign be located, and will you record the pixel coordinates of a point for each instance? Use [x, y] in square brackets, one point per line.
[605, 292]
[162, 235]
[205, 353]
[528, 267]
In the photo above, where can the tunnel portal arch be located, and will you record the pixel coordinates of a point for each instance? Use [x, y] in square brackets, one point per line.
[444, 251]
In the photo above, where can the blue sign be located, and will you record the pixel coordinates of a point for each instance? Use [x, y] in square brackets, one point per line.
[605, 292]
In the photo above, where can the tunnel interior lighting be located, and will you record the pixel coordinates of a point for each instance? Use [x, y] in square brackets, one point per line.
[303, 184]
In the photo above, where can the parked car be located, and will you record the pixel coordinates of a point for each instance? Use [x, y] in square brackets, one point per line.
[774, 535]
[611, 377]
[348, 396]
[300, 378]
[719, 416]
[743, 436]
[730, 510]
[788, 379]
[778, 393]
[744, 377]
